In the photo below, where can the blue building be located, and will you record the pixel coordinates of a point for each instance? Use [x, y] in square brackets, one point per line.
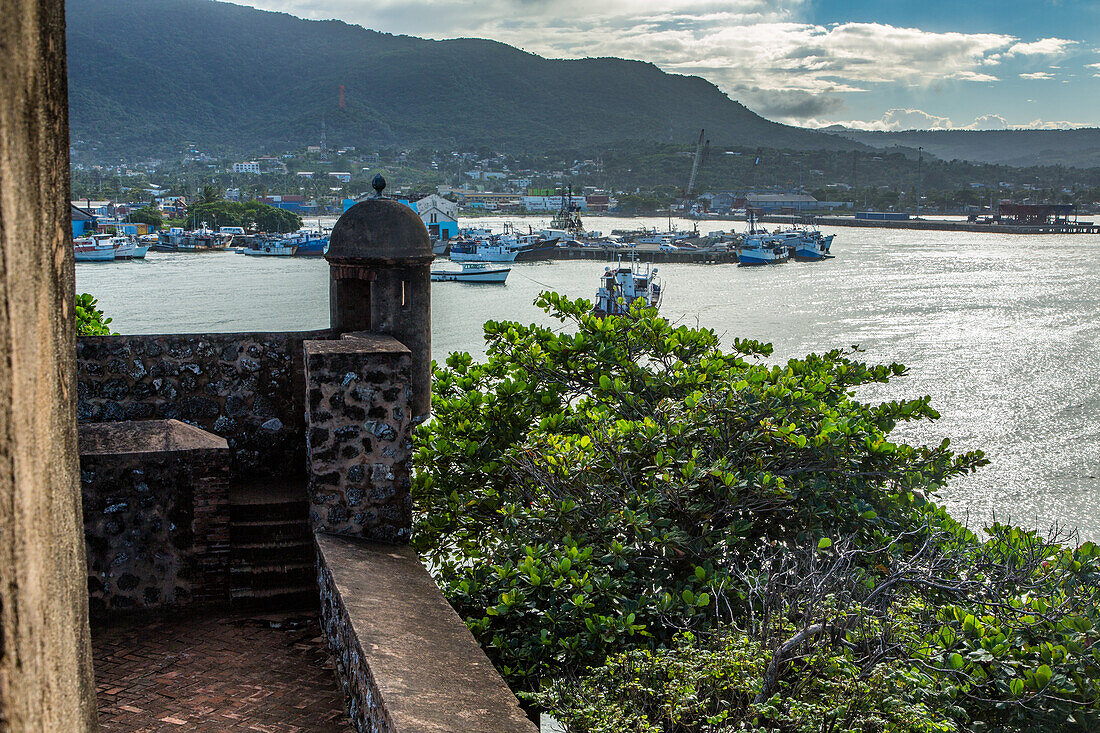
[84, 222]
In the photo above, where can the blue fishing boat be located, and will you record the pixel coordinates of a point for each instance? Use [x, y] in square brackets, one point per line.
[307, 242]
[813, 246]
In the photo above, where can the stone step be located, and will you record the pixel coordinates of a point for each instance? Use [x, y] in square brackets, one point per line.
[278, 575]
[259, 502]
[281, 599]
[278, 511]
[272, 553]
[274, 530]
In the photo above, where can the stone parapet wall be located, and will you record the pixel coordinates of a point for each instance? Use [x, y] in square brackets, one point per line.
[245, 387]
[407, 662]
[156, 516]
[359, 439]
[365, 708]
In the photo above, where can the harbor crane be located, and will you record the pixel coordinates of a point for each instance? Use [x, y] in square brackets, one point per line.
[699, 155]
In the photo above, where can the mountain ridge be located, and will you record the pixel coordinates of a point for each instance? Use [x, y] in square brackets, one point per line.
[234, 78]
[1079, 147]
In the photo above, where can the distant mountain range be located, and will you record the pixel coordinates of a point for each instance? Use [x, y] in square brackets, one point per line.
[1079, 148]
[146, 77]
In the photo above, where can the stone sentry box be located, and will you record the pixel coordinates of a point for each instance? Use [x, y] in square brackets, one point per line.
[156, 515]
[367, 388]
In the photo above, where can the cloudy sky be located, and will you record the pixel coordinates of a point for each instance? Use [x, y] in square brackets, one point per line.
[877, 64]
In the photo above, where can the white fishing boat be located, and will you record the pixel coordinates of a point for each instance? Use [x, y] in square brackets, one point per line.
[87, 249]
[472, 272]
[762, 251]
[622, 285]
[482, 250]
[761, 247]
[271, 248]
[125, 246]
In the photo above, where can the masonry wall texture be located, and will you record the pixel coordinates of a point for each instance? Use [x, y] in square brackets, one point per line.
[245, 387]
[407, 662]
[359, 442]
[156, 516]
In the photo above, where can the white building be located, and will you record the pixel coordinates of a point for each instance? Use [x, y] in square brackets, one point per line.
[797, 202]
[551, 203]
[342, 176]
[439, 215]
[248, 167]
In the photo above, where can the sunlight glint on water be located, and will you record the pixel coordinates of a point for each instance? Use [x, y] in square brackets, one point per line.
[1001, 330]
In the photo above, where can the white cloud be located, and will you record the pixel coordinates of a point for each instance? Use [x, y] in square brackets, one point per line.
[1035, 75]
[1095, 68]
[738, 44]
[916, 119]
[1042, 47]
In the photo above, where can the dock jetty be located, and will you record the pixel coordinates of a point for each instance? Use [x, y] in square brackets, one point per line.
[1007, 226]
[646, 253]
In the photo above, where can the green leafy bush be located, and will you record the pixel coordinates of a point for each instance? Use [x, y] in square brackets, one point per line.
[710, 686]
[90, 320]
[596, 490]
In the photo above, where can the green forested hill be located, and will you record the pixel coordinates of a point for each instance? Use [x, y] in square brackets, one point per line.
[144, 78]
[1076, 148]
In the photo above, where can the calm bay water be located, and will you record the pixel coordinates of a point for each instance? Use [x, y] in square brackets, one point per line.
[1002, 331]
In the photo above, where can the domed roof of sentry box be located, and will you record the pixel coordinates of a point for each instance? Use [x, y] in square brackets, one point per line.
[379, 230]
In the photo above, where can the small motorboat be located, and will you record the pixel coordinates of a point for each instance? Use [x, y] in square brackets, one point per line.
[271, 248]
[472, 272]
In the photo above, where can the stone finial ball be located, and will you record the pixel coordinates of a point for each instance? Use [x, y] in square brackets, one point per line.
[378, 184]
[379, 230]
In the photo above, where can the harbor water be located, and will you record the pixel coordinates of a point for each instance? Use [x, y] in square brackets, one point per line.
[1003, 331]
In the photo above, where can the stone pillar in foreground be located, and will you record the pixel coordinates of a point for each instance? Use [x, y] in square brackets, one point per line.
[46, 681]
[379, 266]
[359, 436]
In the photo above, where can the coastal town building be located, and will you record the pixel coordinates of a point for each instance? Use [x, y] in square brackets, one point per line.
[776, 203]
[439, 215]
[250, 166]
[84, 221]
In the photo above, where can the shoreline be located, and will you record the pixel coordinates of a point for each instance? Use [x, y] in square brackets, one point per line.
[943, 225]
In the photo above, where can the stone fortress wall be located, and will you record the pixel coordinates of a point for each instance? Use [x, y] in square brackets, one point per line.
[246, 387]
[172, 425]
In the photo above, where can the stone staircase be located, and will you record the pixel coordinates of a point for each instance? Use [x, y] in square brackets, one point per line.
[272, 560]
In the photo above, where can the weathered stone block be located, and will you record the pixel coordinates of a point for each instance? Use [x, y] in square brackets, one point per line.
[156, 515]
[356, 463]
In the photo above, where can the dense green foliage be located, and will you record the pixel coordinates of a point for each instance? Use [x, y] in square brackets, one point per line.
[588, 492]
[147, 215]
[90, 320]
[247, 214]
[693, 687]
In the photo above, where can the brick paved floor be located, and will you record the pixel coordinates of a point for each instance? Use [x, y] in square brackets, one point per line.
[217, 674]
